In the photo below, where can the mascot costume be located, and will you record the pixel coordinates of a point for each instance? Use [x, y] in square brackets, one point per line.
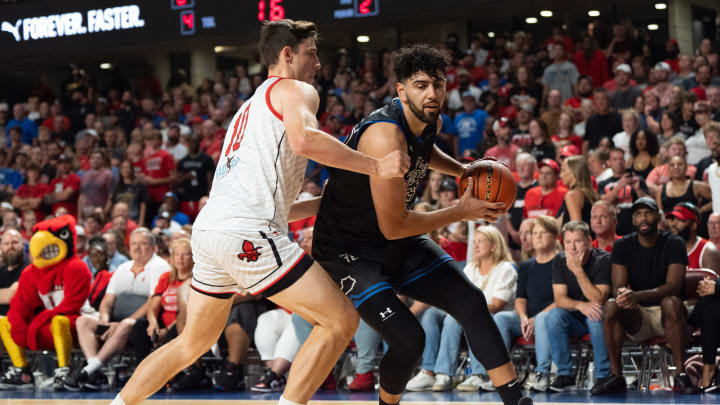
[52, 292]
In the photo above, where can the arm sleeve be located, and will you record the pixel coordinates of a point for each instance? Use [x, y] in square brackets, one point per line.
[505, 283]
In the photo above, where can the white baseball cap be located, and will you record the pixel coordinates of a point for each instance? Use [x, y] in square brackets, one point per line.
[662, 66]
[624, 67]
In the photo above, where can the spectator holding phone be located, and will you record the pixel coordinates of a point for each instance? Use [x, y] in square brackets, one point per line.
[622, 189]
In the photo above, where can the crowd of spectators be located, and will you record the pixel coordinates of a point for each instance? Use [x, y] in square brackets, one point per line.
[615, 147]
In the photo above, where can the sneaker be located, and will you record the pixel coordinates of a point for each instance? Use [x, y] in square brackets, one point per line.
[442, 383]
[540, 383]
[421, 382]
[472, 383]
[192, 378]
[269, 382]
[16, 378]
[563, 383]
[683, 385]
[714, 386]
[60, 374]
[612, 384]
[75, 380]
[525, 401]
[363, 382]
[97, 381]
[230, 379]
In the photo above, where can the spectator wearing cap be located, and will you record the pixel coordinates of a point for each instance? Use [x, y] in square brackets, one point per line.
[684, 221]
[626, 93]
[526, 166]
[547, 197]
[455, 100]
[64, 188]
[560, 75]
[89, 122]
[96, 186]
[697, 145]
[164, 223]
[565, 135]
[662, 88]
[622, 189]
[29, 195]
[551, 116]
[680, 188]
[158, 169]
[541, 146]
[28, 127]
[170, 204]
[603, 222]
[648, 273]
[566, 152]
[661, 174]
[505, 152]
[604, 122]
[195, 173]
[469, 124]
[591, 61]
[172, 144]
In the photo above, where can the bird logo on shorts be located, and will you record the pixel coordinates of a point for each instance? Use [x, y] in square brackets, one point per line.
[250, 252]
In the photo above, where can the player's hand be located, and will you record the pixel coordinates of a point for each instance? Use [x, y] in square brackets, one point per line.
[592, 310]
[472, 208]
[394, 164]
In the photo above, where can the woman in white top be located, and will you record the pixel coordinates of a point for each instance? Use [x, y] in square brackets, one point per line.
[492, 270]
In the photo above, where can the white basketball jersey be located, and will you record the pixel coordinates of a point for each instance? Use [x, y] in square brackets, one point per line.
[258, 176]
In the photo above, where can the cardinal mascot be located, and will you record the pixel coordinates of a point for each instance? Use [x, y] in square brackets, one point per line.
[52, 292]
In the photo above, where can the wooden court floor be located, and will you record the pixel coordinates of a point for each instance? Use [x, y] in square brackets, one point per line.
[248, 402]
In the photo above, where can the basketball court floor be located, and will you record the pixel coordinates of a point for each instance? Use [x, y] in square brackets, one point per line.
[337, 398]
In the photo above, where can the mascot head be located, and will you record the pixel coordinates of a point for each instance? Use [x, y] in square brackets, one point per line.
[53, 240]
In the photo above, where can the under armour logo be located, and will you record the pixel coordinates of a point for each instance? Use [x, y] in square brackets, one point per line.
[347, 284]
[387, 313]
[12, 29]
[348, 257]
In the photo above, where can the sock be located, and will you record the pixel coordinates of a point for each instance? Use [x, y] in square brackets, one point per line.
[93, 365]
[387, 403]
[118, 401]
[283, 401]
[510, 393]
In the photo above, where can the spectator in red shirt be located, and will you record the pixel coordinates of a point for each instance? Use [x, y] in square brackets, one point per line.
[96, 186]
[548, 197]
[591, 61]
[583, 90]
[160, 326]
[212, 140]
[565, 135]
[560, 36]
[158, 170]
[603, 220]
[29, 195]
[64, 188]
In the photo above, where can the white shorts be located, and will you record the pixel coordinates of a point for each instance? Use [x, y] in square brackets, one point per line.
[244, 262]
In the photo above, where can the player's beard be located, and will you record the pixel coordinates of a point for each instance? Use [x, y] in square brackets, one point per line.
[420, 113]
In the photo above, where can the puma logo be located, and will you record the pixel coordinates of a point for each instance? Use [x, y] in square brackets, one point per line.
[12, 29]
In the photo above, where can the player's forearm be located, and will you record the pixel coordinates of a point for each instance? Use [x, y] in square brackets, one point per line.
[329, 151]
[417, 223]
[443, 163]
[304, 209]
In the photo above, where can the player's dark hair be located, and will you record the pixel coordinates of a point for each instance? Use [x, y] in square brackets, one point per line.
[276, 35]
[419, 58]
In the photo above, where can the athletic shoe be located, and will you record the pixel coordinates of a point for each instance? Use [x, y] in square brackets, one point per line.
[683, 385]
[16, 378]
[714, 386]
[75, 380]
[472, 383]
[230, 379]
[443, 382]
[421, 382]
[270, 382]
[525, 401]
[562, 383]
[97, 381]
[540, 383]
[59, 375]
[363, 382]
[612, 384]
[192, 378]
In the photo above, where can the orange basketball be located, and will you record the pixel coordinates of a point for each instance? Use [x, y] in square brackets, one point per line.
[494, 182]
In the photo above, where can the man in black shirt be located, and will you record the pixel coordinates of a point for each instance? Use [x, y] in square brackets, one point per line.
[605, 122]
[526, 166]
[195, 173]
[11, 248]
[581, 284]
[648, 275]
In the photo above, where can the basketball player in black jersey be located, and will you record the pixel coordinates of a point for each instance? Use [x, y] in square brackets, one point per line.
[374, 246]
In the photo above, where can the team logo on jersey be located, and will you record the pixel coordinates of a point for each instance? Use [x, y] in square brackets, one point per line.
[250, 252]
[414, 177]
[347, 284]
[386, 314]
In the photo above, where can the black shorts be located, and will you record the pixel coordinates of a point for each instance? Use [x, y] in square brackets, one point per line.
[363, 271]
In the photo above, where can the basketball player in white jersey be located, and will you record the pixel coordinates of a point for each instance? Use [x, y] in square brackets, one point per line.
[239, 239]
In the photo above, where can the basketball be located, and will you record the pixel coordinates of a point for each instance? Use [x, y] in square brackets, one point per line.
[494, 182]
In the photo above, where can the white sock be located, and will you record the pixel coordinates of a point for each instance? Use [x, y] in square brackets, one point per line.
[284, 401]
[93, 365]
[118, 401]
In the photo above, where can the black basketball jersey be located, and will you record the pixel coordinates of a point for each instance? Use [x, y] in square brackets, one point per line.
[347, 212]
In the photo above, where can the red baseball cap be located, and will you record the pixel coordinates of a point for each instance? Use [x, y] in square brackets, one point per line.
[569, 150]
[551, 164]
[685, 212]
